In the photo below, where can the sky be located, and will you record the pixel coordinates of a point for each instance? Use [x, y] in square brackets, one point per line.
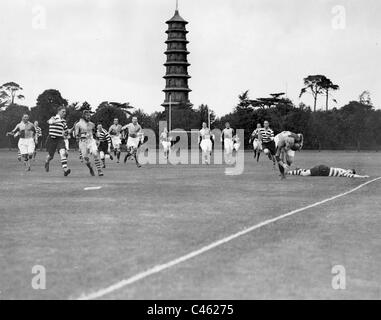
[113, 50]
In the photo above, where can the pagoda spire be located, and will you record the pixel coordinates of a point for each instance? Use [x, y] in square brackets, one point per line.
[176, 91]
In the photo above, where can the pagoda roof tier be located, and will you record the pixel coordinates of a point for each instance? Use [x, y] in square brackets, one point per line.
[177, 18]
[176, 30]
[177, 51]
[177, 63]
[176, 75]
[177, 40]
[177, 89]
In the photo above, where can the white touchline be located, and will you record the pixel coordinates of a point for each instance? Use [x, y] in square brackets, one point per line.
[161, 267]
[92, 188]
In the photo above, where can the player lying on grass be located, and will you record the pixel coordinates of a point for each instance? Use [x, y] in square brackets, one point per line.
[325, 171]
[26, 142]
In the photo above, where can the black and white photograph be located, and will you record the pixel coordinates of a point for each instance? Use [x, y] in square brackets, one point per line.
[188, 150]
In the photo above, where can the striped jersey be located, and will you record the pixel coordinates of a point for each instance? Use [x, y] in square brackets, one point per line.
[38, 132]
[338, 172]
[57, 127]
[103, 136]
[266, 134]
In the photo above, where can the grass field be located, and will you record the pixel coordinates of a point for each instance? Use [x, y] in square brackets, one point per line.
[140, 218]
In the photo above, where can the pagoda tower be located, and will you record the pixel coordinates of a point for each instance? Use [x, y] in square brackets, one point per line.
[176, 77]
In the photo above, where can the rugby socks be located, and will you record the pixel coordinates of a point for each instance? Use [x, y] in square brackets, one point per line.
[118, 155]
[296, 172]
[64, 162]
[98, 165]
[19, 155]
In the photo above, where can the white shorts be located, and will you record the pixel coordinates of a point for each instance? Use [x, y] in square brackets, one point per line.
[257, 145]
[236, 146]
[133, 142]
[87, 147]
[116, 142]
[66, 144]
[206, 145]
[26, 145]
[166, 145]
[228, 145]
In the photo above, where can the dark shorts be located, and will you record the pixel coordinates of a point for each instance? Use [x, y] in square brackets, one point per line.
[269, 145]
[54, 144]
[103, 146]
[321, 170]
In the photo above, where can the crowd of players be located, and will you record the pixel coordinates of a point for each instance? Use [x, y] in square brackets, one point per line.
[96, 142]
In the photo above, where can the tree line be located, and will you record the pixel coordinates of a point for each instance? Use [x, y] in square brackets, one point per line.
[356, 125]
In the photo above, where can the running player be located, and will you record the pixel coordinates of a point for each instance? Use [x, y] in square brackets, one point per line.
[26, 142]
[165, 142]
[205, 143]
[227, 139]
[37, 138]
[115, 132]
[57, 131]
[286, 144]
[267, 139]
[236, 143]
[134, 139]
[256, 140]
[105, 144]
[325, 171]
[84, 131]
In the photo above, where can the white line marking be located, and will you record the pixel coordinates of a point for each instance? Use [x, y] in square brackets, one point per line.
[92, 188]
[161, 267]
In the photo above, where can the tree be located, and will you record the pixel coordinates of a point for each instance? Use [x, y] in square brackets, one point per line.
[365, 98]
[46, 107]
[106, 113]
[327, 85]
[9, 92]
[314, 85]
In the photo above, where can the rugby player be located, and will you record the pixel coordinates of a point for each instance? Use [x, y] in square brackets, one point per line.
[227, 139]
[37, 138]
[325, 171]
[256, 140]
[84, 131]
[115, 132]
[55, 142]
[165, 142]
[286, 144]
[134, 139]
[104, 144]
[26, 143]
[267, 138]
[205, 143]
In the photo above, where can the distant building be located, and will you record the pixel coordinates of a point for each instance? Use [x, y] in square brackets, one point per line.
[176, 77]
